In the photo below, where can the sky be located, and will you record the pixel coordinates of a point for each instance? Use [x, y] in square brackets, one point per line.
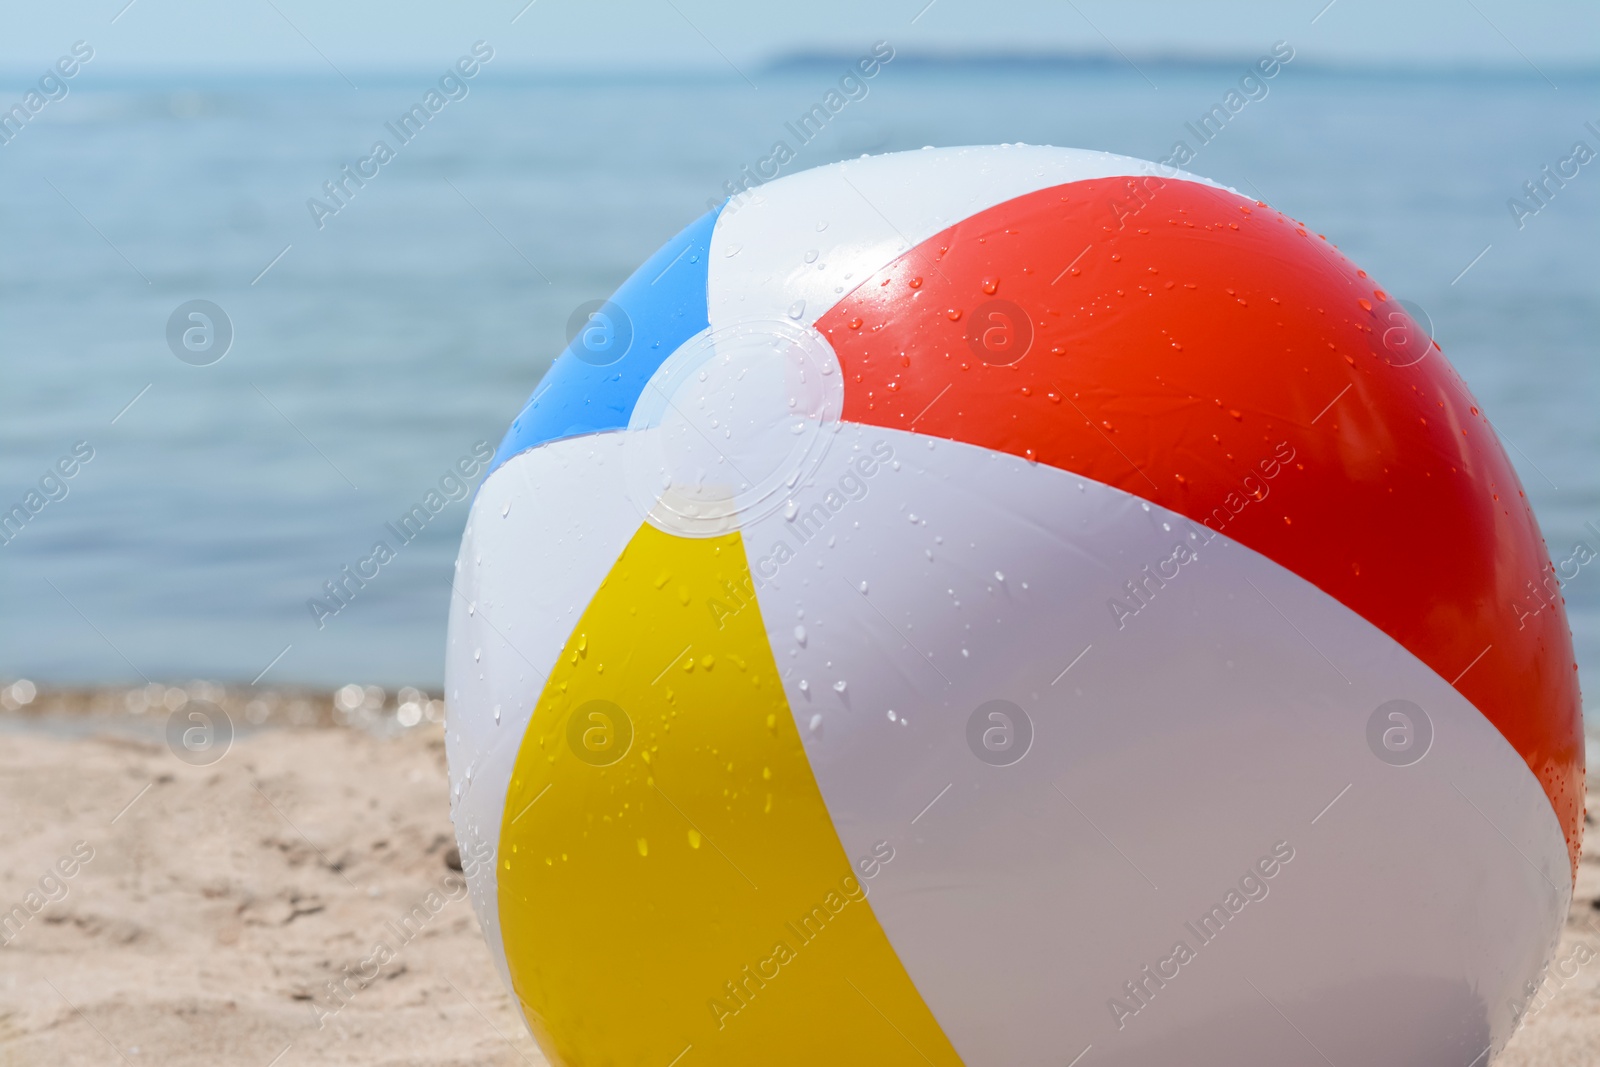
[595, 36]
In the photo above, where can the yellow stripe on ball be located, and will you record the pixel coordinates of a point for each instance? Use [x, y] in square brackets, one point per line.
[679, 882]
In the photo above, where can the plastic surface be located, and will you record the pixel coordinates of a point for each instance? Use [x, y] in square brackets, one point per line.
[1006, 602]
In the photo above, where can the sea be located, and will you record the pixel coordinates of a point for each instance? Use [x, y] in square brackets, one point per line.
[348, 361]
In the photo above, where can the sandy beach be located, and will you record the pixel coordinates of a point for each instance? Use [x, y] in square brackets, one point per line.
[210, 903]
[221, 899]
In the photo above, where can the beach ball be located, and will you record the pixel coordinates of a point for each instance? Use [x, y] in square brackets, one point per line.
[1010, 606]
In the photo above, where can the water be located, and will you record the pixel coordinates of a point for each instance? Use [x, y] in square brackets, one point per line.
[379, 349]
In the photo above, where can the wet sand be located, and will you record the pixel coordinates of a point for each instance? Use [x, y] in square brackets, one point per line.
[219, 900]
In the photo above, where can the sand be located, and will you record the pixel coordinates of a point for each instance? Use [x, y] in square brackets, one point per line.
[221, 899]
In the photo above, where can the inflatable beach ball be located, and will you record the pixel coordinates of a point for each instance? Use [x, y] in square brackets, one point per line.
[1010, 606]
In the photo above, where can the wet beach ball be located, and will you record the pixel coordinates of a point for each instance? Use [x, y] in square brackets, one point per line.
[1010, 606]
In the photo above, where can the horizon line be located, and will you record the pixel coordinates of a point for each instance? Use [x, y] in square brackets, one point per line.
[977, 60]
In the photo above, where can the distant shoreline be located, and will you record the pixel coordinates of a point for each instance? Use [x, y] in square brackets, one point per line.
[1050, 61]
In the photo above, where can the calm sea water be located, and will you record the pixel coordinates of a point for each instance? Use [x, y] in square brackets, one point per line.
[379, 349]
